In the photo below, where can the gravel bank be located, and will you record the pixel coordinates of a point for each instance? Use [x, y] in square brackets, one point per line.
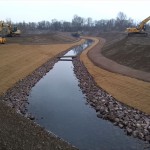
[133, 121]
[17, 96]
[20, 133]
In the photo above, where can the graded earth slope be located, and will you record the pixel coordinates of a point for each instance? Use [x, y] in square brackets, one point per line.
[130, 91]
[133, 52]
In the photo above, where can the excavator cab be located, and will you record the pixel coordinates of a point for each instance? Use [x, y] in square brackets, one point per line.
[15, 29]
[144, 28]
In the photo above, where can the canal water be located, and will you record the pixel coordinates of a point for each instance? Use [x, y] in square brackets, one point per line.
[60, 106]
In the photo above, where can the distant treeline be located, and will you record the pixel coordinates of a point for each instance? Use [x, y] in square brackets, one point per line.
[120, 23]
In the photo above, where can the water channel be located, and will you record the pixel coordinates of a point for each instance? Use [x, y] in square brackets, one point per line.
[60, 106]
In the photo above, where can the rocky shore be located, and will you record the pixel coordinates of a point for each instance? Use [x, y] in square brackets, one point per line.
[16, 100]
[17, 96]
[134, 122]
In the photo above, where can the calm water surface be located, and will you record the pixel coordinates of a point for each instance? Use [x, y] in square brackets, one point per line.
[59, 105]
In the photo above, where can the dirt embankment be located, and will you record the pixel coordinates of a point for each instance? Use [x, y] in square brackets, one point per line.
[38, 38]
[130, 91]
[133, 52]
[17, 60]
[100, 60]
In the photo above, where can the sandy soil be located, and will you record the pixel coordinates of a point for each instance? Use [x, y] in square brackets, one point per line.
[130, 91]
[17, 60]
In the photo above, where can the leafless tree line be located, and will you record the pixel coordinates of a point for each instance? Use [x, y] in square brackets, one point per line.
[120, 23]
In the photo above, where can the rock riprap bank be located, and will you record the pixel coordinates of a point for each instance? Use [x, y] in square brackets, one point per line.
[17, 96]
[133, 121]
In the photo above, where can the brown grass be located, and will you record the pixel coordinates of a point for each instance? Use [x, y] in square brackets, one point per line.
[17, 61]
[130, 91]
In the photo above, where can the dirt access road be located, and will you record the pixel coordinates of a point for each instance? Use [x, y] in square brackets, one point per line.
[130, 91]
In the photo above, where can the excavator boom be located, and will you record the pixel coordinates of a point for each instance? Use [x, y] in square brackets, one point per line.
[7, 30]
[140, 29]
[143, 23]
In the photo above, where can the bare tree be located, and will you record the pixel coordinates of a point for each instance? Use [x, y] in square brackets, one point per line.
[121, 21]
[80, 24]
[77, 23]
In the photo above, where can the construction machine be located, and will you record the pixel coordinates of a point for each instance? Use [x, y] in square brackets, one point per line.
[140, 29]
[2, 40]
[10, 31]
[2, 37]
[7, 30]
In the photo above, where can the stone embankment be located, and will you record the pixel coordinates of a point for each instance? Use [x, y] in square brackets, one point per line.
[17, 98]
[134, 122]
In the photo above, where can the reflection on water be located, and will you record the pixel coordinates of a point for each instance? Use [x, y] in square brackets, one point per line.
[59, 105]
[79, 49]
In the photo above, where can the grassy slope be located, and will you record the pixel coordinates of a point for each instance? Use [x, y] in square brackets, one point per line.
[130, 91]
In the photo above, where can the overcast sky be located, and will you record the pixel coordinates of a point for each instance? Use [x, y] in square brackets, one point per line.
[38, 10]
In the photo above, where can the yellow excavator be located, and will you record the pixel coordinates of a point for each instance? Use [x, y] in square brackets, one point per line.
[2, 40]
[7, 30]
[10, 31]
[140, 29]
[2, 36]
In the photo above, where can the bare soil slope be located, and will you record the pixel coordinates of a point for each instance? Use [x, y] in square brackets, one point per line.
[130, 91]
[46, 38]
[133, 52]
